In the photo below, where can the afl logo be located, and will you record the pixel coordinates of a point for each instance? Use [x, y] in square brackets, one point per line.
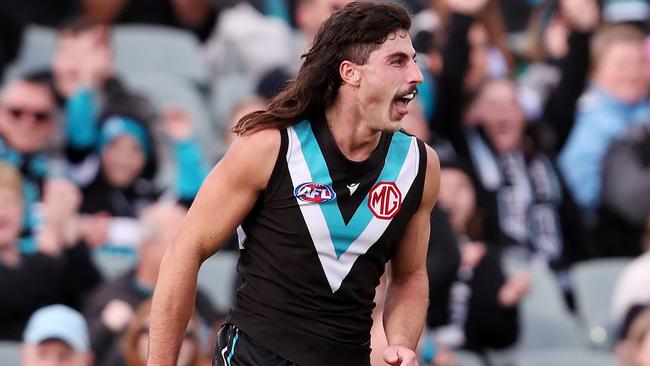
[314, 192]
[385, 200]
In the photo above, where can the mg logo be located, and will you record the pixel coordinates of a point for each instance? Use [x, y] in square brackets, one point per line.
[385, 200]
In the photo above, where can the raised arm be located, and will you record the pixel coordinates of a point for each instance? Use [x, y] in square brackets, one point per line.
[227, 195]
[407, 299]
[560, 108]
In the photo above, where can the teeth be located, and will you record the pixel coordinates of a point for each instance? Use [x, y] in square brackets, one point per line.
[409, 96]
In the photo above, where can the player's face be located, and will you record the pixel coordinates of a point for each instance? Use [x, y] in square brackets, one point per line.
[388, 82]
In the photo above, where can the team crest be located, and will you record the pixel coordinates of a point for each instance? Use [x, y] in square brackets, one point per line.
[385, 200]
[312, 192]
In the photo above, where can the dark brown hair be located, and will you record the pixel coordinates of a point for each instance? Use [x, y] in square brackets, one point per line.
[351, 33]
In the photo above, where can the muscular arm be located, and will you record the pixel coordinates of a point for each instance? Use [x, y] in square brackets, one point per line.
[227, 195]
[407, 293]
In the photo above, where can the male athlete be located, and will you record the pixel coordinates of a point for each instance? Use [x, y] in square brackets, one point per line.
[325, 189]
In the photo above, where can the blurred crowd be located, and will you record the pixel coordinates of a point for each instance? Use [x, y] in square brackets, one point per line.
[538, 110]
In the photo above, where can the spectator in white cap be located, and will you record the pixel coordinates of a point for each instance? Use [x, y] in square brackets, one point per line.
[56, 335]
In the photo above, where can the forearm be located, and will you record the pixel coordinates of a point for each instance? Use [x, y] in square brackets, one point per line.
[173, 303]
[405, 309]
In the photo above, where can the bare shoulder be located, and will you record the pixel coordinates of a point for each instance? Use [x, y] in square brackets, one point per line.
[252, 156]
[261, 141]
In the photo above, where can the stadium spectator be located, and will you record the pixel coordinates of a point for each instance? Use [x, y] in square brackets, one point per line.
[518, 187]
[85, 82]
[479, 24]
[615, 101]
[119, 179]
[482, 302]
[523, 197]
[60, 272]
[28, 122]
[135, 343]
[625, 207]
[56, 335]
[581, 19]
[110, 309]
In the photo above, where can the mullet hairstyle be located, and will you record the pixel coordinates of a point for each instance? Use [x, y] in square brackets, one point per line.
[351, 33]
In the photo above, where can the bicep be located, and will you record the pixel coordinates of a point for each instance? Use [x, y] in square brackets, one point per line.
[229, 192]
[411, 255]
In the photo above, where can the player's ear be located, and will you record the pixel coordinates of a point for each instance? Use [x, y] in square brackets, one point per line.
[350, 73]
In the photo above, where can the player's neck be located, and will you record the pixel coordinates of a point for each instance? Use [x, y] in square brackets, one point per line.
[355, 140]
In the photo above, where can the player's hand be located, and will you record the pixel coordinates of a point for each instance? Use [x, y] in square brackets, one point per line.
[582, 15]
[466, 7]
[177, 123]
[400, 356]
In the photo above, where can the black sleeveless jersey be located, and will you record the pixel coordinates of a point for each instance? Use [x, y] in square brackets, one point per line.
[316, 243]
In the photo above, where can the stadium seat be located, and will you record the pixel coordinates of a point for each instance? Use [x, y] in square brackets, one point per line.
[165, 50]
[564, 357]
[36, 51]
[466, 358]
[545, 321]
[10, 353]
[594, 283]
[217, 278]
[229, 90]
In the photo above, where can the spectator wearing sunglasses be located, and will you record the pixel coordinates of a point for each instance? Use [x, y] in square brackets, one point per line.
[28, 120]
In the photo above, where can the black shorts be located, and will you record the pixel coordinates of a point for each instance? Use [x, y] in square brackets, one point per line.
[236, 348]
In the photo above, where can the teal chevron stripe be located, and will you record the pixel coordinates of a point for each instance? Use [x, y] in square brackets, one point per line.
[343, 235]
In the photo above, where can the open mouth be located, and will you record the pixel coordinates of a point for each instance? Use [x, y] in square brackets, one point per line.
[408, 97]
[401, 101]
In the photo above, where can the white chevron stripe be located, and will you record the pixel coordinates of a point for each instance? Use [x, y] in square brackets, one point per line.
[337, 269]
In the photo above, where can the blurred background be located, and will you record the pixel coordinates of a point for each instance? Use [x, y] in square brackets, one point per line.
[112, 112]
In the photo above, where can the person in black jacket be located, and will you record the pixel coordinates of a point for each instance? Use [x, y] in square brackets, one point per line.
[60, 272]
[523, 197]
[481, 304]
